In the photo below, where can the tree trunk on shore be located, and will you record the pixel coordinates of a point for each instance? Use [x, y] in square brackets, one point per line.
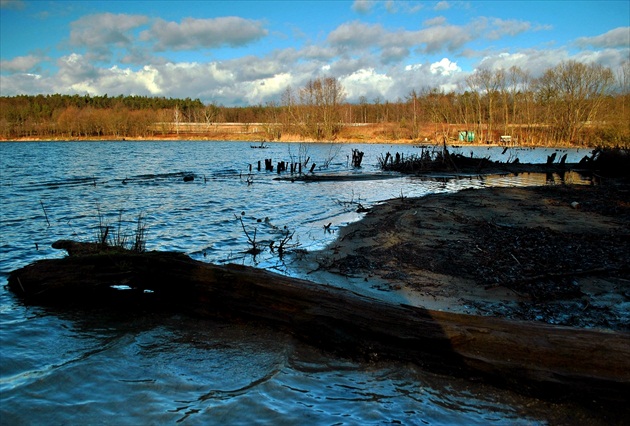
[528, 356]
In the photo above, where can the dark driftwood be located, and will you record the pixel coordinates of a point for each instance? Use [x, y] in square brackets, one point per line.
[531, 356]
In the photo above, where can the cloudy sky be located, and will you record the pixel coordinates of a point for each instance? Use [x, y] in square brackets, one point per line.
[248, 52]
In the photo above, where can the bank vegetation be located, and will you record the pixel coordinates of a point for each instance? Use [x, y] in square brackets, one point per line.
[572, 104]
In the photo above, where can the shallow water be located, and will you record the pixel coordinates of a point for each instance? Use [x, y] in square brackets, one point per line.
[62, 367]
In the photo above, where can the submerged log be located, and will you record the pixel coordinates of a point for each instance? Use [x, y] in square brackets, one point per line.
[529, 356]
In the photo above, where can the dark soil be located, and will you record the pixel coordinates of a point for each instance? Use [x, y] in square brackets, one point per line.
[563, 252]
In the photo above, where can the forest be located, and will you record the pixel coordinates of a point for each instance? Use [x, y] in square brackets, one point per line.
[571, 104]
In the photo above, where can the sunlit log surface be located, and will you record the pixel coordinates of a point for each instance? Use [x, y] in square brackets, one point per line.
[531, 357]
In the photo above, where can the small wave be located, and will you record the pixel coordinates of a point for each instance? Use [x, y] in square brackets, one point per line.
[65, 182]
[162, 177]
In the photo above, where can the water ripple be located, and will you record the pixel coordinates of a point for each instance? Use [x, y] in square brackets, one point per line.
[95, 367]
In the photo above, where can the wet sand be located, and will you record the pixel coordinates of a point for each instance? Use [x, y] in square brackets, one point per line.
[557, 254]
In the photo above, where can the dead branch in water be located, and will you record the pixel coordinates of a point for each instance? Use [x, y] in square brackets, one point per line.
[252, 241]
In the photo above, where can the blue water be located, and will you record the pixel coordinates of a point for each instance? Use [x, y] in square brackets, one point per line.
[73, 367]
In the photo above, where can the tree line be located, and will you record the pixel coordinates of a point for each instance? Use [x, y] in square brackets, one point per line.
[571, 103]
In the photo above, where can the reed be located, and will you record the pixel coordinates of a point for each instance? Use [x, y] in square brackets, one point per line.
[118, 236]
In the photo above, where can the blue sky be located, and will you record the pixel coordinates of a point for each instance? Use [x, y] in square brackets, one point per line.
[249, 52]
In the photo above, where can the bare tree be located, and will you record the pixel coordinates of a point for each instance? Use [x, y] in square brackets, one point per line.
[487, 82]
[176, 117]
[501, 77]
[412, 99]
[289, 115]
[623, 78]
[210, 113]
[271, 125]
[364, 108]
[474, 85]
[321, 99]
[521, 99]
[573, 92]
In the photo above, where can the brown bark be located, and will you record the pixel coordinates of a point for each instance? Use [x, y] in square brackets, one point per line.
[529, 356]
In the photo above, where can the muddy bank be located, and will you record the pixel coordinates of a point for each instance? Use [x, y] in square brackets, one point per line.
[554, 254]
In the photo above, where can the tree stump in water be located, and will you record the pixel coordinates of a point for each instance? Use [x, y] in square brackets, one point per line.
[357, 158]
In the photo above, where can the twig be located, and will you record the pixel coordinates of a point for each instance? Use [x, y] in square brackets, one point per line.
[21, 286]
[45, 214]
[254, 249]
[288, 236]
[140, 242]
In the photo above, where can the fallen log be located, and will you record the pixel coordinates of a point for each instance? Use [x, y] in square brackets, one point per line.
[533, 357]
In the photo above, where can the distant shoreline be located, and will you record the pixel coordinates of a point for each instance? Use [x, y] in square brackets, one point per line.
[206, 138]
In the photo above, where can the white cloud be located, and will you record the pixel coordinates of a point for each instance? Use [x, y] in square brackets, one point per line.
[104, 28]
[184, 79]
[445, 75]
[612, 58]
[444, 37]
[356, 35]
[370, 59]
[12, 4]
[313, 52]
[261, 91]
[619, 37]
[394, 54]
[391, 6]
[366, 82]
[194, 33]
[345, 65]
[78, 75]
[510, 27]
[438, 20]
[362, 6]
[20, 63]
[18, 84]
[405, 7]
[75, 68]
[532, 60]
[234, 83]
[506, 61]
[252, 68]
[444, 67]
[442, 5]
[100, 32]
[145, 80]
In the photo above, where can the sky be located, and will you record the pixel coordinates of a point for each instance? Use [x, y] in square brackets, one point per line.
[237, 53]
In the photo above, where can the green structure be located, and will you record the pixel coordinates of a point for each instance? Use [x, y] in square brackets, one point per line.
[466, 136]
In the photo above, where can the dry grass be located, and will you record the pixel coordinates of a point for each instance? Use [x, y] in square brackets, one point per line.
[395, 133]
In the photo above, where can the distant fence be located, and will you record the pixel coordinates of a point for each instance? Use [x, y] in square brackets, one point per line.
[172, 127]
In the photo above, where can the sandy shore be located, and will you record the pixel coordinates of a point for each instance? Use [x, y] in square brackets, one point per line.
[557, 254]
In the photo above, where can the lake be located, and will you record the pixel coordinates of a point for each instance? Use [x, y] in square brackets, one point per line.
[100, 367]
